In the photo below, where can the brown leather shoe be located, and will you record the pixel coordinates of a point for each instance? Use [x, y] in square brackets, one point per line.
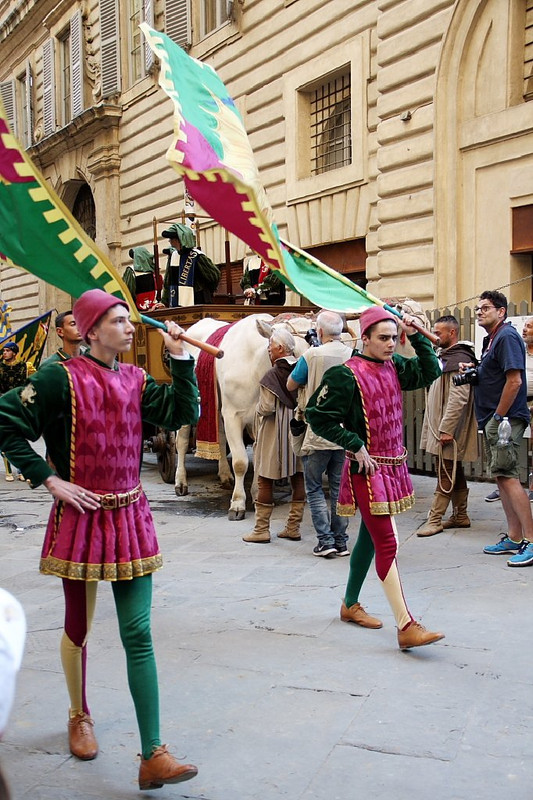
[357, 614]
[417, 636]
[162, 768]
[81, 738]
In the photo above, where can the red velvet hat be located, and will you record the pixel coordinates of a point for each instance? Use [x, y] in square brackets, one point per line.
[91, 306]
[370, 317]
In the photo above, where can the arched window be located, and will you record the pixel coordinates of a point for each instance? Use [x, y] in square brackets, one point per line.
[84, 210]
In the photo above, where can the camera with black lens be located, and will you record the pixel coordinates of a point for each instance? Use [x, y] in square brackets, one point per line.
[298, 426]
[468, 376]
[311, 337]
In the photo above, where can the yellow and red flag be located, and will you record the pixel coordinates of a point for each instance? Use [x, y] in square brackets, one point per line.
[31, 339]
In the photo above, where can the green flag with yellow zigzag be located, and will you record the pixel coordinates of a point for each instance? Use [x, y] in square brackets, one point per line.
[39, 234]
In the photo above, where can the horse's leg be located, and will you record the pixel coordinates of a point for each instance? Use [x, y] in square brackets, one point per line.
[253, 487]
[224, 470]
[239, 460]
[182, 445]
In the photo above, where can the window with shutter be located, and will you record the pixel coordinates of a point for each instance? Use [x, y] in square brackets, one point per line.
[214, 14]
[49, 110]
[65, 77]
[178, 22]
[110, 53]
[148, 15]
[135, 10]
[7, 91]
[76, 64]
[22, 115]
[528, 52]
[29, 105]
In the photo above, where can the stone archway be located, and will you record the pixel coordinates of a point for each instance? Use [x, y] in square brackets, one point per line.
[483, 150]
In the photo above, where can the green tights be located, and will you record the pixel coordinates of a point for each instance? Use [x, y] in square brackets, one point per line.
[133, 601]
[360, 561]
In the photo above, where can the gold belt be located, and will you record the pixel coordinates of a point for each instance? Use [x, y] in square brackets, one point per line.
[388, 460]
[112, 500]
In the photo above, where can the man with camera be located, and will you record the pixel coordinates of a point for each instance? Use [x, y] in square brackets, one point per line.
[320, 456]
[500, 390]
[449, 430]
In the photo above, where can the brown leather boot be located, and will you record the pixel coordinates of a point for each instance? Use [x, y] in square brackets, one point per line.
[357, 614]
[81, 738]
[433, 523]
[261, 531]
[162, 768]
[459, 517]
[292, 527]
[415, 635]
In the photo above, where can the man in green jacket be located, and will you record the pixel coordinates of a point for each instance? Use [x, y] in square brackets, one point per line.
[358, 406]
[90, 411]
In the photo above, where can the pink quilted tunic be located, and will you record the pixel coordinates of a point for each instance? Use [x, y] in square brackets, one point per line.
[390, 489]
[105, 456]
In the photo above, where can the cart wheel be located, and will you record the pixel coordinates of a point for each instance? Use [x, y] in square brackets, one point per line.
[166, 454]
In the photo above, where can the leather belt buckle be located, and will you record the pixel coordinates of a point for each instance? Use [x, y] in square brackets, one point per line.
[108, 501]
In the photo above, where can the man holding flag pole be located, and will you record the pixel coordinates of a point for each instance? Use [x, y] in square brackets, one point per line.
[90, 411]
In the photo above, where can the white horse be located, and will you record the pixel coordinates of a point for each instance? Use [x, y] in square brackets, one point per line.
[237, 374]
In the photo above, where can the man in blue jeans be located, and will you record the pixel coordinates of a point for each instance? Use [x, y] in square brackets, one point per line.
[501, 391]
[320, 457]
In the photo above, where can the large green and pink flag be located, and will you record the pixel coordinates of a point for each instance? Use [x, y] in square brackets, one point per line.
[211, 150]
[39, 234]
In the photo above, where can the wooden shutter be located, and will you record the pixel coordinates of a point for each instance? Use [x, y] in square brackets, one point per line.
[528, 52]
[29, 104]
[110, 54]
[178, 22]
[49, 106]
[7, 91]
[76, 64]
[148, 17]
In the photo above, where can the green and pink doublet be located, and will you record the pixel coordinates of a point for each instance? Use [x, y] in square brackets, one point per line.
[390, 489]
[105, 456]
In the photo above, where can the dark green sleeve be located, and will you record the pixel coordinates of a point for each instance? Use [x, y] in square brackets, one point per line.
[420, 371]
[40, 408]
[272, 283]
[174, 405]
[334, 411]
[129, 280]
[246, 281]
[207, 273]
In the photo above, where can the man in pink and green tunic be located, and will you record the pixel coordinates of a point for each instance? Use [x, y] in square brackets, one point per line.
[90, 411]
[358, 406]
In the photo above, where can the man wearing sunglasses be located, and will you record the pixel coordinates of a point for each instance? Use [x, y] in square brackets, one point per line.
[501, 391]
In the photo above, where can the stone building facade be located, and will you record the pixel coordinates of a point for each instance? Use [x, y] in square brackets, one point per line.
[394, 137]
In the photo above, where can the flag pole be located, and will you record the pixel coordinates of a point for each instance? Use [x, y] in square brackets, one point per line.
[367, 296]
[207, 348]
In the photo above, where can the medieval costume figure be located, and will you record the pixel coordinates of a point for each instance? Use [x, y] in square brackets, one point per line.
[13, 373]
[449, 430]
[90, 410]
[140, 279]
[358, 405]
[274, 457]
[191, 278]
[260, 284]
